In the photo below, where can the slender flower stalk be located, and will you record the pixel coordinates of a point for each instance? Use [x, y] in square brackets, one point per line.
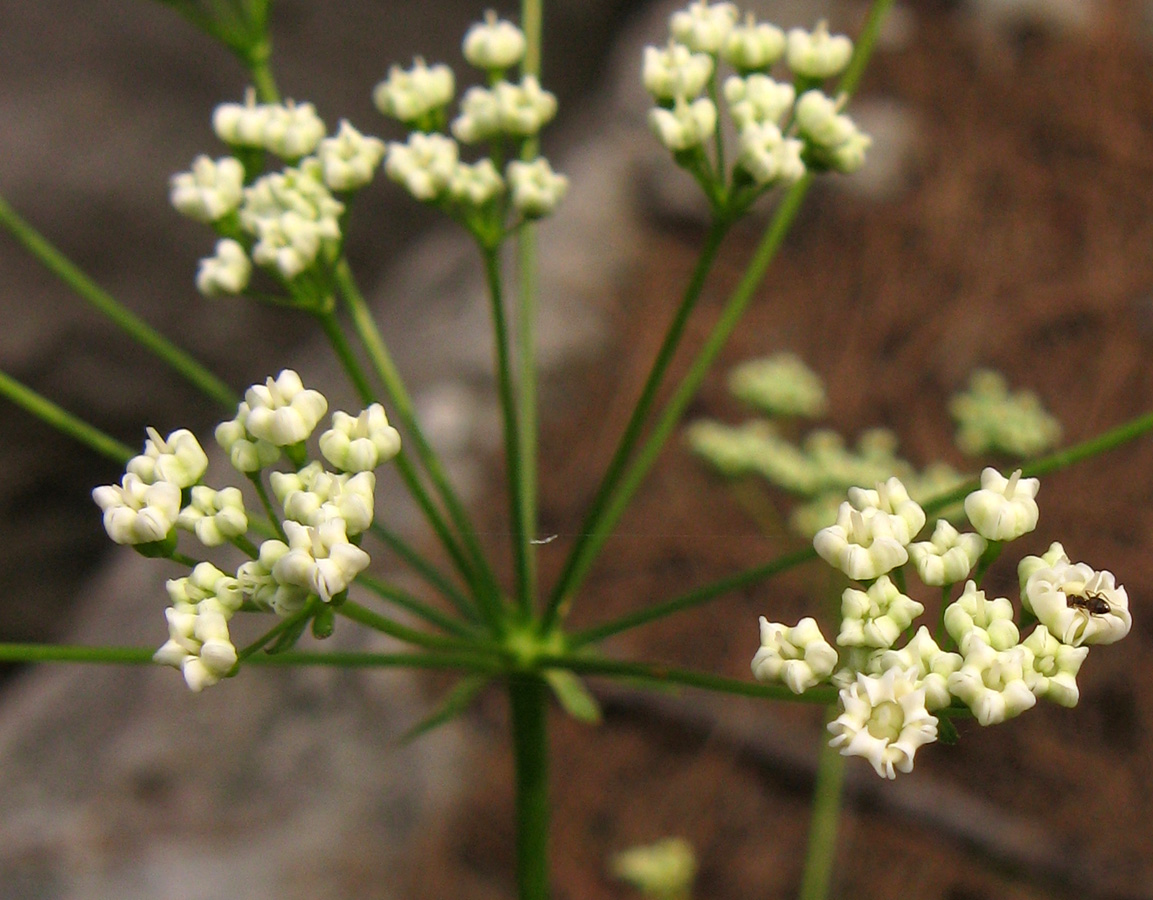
[826, 814]
[416, 606]
[426, 570]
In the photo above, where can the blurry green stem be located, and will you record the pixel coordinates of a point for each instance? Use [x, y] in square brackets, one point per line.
[358, 613]
[825, 815]
[528, 698]
[261, 492]
[416, 606]
[57, 263]
[64, 421]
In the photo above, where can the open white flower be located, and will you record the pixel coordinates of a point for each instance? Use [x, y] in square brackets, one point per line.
[799, 656]
[702, 27]
[1078, 604]
[210, 191]
[675, 71]
[282, 411]
[494, 44]
[932, 666]
[214, 516]
[1055, 666]
[180, 459]
[948, 557]
[885, 721]
[864, 544]
[891, 497]
[136, 512]
[411, 94]
[424, 165]
[974, 617]
[992, 682]
[319, 558]
[349, 160]
[753, 45]
[1030, 564]
[876, 617]
[817, 54]
[1004, 508]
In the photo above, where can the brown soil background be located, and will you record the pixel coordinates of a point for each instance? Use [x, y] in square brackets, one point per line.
[1025, 244]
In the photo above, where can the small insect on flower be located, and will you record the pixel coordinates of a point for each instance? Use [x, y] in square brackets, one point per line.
[1092, 602]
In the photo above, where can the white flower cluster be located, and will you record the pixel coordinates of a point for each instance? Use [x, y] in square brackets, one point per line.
[780, 135]
[991, 418]
[428, 164]
[889, 694]
[286, 222]
[779, 385]
[324, 513]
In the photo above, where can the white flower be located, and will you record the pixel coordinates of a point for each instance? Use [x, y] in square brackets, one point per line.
[136, 512]
[1055, 666]
[863, 545]
[1030, 564]
[292, 130]
[523, 109]
[210, 191]
[494, 44]
[753, 46]
[686, 125]
[974, 617]
[180, 459]
[410, 95]
[885, 721]
[362, 443]
[891, 497]
[260, 586]
[757, 98]
[214, 516]
[476, 184]
[226, 272]
[932, 666]
[206, 587]
[992, 683]
[819, 119]
[676, 72]
[876, 618]
[703, 28]
[1077, 604]
[817, 54]
[245, 453]
[947, 557]
[849, 157]
[479, 117]
[1004, 508]
[320, 559]
[282, 411]
[313, 496]
[241, 124]
[199, 645]
[349, 159]
[799, 656]
[536, 188]
[424, 165]
[768, 157]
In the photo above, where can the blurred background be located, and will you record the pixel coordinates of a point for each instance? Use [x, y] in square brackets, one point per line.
[1003, 220]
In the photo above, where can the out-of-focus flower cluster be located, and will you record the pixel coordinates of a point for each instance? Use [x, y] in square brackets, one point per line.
[992, 419]
[784, 127]
[890, 695]
[315, 554]
[487, 196]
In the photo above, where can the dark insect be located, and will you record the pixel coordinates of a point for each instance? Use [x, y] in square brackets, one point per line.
[1093, 603]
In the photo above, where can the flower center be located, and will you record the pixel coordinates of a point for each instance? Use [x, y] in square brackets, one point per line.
[887, 720]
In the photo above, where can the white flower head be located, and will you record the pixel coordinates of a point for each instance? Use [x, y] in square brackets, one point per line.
[757, 98]
[258, 584]
[972, 617]
[479, 117]
[199, 645]
[475, 184]
[292, 130]
[1078, 604]
[362, 443]
[241, 124]
[320, 558]
[179, 459]
[849, 157]
[892, 498]
[704, 27]
[282, 411]
[349, 160]
[992, 682]
[686, 125]
[753, 46]
[798, 656]
[536, 188]
[1055, 667]
[409, 95]
[675, 71]
[206, 587]
[523, 109]
[494, 44]
[863, 544]
[817, 54]
[768, 157]
[424, 165]
[948, 557]
[885, 721]
[820, 120]
[226, 272]
[246, 453]
[313, 496]
[214, 516]
[876, 617]
[990, 417]
[1004, 508]
[136, 512]
[932, 666]
[210, 191]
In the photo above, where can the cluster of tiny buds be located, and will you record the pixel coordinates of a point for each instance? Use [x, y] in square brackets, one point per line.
[784, 128]
[316, 555]
[287, 222]
[428, 163]
[889, 695]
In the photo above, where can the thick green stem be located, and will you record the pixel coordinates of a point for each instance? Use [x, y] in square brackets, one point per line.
[62, 420]
[823, 823]
[528, 698]
[668, 348]
[63, 268]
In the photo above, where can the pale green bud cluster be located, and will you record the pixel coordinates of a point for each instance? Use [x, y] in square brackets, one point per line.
[664, 870]
[990, 419]
[779, 385]
[889, 693]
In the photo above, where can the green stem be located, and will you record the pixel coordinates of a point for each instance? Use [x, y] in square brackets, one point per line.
[262, 493]
[245, 546]
[425, 570]
[668, 348]
[33, 653]
[59, 265]
[416, 606]
[826, 814]
[526, 256]
[520, 536]
[62, 420]
[357, 613]
[257, 61]
[343, 351]
[528, 698]
[184, 560]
